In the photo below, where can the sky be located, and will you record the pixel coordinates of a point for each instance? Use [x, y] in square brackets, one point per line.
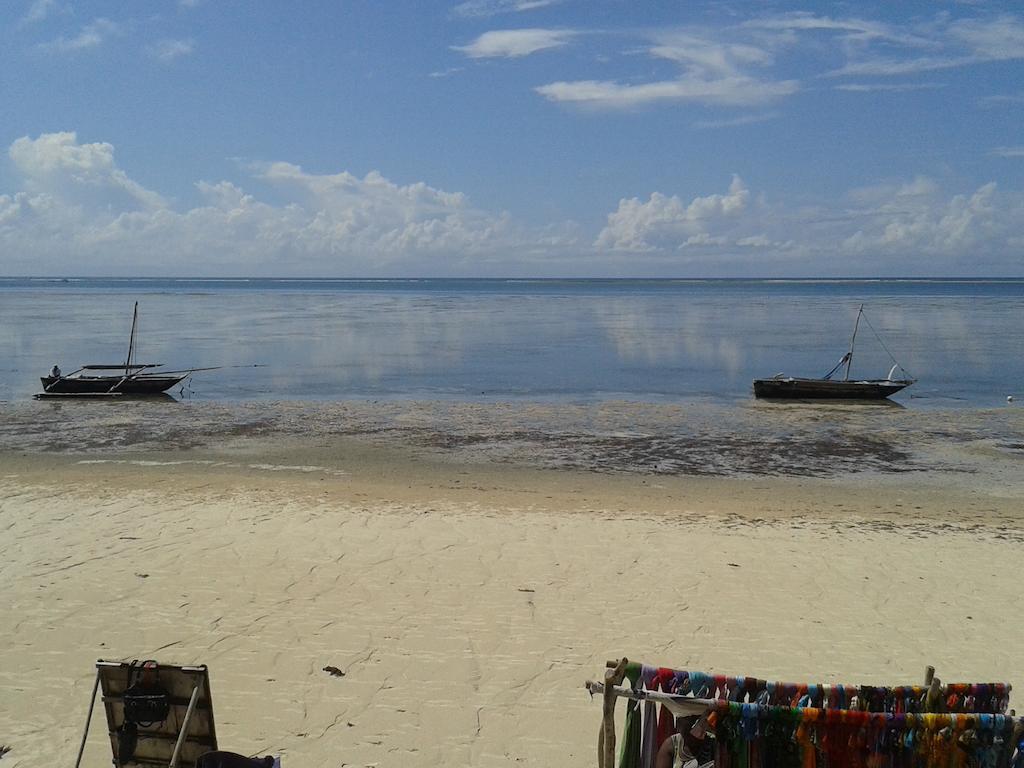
[493, 138]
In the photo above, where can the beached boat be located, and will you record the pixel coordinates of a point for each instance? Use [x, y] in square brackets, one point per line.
[128, 378]
[791, 387]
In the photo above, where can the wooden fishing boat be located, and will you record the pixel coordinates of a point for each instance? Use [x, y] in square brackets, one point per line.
[791, 387]
[817, 389]
[128, 378]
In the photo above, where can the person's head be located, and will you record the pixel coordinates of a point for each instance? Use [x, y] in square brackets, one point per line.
[692, 729]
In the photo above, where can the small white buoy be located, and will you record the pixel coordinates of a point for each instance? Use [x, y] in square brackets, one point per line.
[1009, 398]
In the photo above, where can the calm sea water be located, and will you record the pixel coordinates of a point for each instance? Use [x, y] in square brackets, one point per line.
[552, 340]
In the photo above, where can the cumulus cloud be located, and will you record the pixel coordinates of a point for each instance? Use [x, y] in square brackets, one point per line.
[58, 165]
[664, 221]
[914, 218]
[515, 43]
[78, 207]
[911, 228]
[76, 211]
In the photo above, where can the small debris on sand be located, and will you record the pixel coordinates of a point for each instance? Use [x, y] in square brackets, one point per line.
[334, 671]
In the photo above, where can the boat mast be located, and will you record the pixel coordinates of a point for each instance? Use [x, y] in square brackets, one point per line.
[131, 340]
[849, 355]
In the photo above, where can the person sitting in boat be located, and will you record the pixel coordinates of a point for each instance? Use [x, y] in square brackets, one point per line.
[687, 747]
[55, 371]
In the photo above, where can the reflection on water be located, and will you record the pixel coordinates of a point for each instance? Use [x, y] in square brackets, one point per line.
[554, 340]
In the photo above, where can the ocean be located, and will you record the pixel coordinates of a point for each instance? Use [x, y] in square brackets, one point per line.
[648, 377]
[572, 341]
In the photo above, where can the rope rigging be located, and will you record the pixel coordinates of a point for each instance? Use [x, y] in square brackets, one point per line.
[891, 356]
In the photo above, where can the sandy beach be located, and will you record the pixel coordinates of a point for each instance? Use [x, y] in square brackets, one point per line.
[468, 599]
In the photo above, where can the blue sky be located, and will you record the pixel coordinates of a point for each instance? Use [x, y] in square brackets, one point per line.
[511, 137]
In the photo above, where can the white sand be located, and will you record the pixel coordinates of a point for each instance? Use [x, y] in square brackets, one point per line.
[468, 605]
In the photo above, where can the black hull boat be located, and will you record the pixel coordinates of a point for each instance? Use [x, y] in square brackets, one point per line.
[104, 385]
[128, 378]
[826, 388]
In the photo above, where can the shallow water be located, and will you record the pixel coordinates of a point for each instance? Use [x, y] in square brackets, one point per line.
[649, 377]
[973, 448]
[553, 340]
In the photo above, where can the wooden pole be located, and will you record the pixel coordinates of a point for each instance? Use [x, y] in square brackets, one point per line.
[853, 340]
[88, 719]
[932, 701]
[184, 726]
[606, 739]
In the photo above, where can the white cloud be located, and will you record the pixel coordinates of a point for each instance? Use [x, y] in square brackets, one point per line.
[740, 91]
[740, 65]
[485, 8]
[515, 43]
[91, 36]
[1002, 99]
[909, 228]
[76, 211]
[737, 121]
[853, 32]
[873, 48]
[888, 87]
[711, 73]
[915, 219]
[665, 222]
[998, 39]
[77, 207]
[1008, 152]
[39, 10]
[955, 42]
[445, 72]
[58, 165]
[169, 50]
[710, 57]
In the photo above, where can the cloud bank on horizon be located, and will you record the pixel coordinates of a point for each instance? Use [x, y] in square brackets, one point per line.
[595, 144]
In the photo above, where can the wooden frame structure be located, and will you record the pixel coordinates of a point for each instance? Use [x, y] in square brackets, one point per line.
[611, 689]
[186, 733]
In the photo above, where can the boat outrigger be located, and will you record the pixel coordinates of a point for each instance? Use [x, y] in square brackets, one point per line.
[790, 387]
[129, 378]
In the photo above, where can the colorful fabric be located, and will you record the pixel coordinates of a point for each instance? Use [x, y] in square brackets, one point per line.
[988, 698]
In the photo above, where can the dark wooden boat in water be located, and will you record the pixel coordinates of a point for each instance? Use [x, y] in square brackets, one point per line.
[128, 378]
[818, 389]
[827, 388]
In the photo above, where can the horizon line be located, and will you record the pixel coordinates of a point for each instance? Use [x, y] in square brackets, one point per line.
[960, 278]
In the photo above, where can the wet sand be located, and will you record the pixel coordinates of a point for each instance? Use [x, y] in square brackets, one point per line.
[468, 587]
